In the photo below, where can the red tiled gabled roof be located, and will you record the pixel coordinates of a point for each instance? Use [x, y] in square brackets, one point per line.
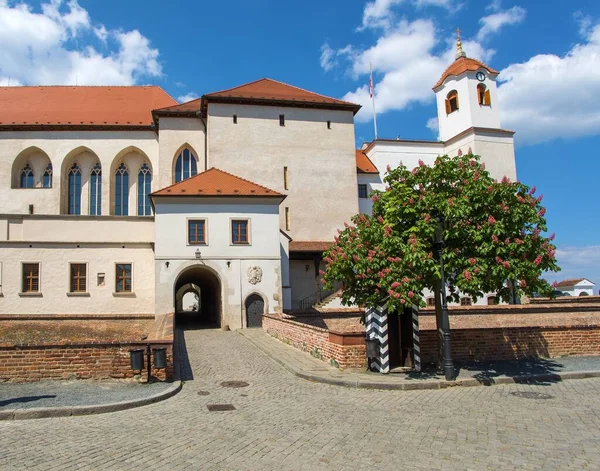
[215, 182]
[571, 282]
[81, 106]
[463, 64]
[310, 246]
[192, 105]
[363, 163]
[268, 90]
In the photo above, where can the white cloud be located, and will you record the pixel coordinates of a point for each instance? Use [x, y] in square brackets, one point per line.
[187, 97]
[379, 14]
[577, 262]
[550, 96]
[433, 125]
[408, 59]
[42, 47]
[328, 57]
[491, 24]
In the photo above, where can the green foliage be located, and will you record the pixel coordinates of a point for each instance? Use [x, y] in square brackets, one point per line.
[493, 234]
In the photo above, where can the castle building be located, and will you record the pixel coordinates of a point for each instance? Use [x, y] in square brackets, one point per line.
[119, 200]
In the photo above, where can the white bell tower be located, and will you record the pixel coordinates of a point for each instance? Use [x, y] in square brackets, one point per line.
[466, 96]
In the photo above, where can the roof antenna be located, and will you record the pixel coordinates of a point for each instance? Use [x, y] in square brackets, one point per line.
[459, 50]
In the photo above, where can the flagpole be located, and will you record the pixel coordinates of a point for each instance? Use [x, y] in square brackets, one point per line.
[372, 93]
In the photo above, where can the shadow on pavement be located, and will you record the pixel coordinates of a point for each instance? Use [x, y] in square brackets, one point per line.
[185, 368]
[486, 372]
[26, 399]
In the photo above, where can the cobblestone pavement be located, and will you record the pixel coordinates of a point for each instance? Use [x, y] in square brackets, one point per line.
[284, 422]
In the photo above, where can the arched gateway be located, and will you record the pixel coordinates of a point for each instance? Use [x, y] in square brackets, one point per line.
[204, 283]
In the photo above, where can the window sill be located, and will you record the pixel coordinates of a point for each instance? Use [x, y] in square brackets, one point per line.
[124, 295]
[78, 295]
[30, 295]
[239, 243]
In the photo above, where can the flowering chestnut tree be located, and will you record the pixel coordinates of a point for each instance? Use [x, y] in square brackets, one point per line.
[493, 237]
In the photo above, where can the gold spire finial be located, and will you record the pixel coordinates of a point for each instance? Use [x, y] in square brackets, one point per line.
[459, 50]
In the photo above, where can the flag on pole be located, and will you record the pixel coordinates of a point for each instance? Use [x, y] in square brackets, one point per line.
[372, 96]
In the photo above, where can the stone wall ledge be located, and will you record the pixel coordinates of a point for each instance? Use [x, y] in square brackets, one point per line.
[50, 317]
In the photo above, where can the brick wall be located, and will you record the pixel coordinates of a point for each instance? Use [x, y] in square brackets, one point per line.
[480, 334]
[341, 349]
[86, 361]
[516, 342]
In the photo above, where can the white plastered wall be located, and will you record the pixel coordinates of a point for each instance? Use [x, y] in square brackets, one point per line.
[470, 113]
[54, 262]
[229, 263]
[174, 135]
[321, 162]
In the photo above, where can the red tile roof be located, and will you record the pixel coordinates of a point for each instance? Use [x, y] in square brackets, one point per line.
[81, 106]
[192, 105]
[463, 64]
[571, 282]
[268, 90]
[309, 246]
[363, 163]
[215, 182]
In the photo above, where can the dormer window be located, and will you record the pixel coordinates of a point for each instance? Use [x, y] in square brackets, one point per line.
[483, 95]
[452, 102]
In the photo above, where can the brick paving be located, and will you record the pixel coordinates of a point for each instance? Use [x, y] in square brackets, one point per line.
[284, 422]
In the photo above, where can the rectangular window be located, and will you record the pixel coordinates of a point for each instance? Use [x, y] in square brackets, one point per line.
[431, 302]
[31, 278]
[328, 124]
[78, 278]
[239, 232]
[235, 119]
[196, 231]
[281, 120]
[465, 301]
[123, 278]
[285, 178]
[287, 219]
[362, 190]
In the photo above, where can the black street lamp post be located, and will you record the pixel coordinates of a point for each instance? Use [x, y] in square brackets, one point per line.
[438, 245]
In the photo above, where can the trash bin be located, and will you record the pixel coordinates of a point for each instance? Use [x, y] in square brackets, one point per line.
[137, 359]
[160, 358]
[372, 347]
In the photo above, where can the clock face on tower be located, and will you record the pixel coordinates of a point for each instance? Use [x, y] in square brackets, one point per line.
[480, 76]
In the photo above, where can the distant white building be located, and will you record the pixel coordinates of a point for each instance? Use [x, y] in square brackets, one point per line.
[576, 287]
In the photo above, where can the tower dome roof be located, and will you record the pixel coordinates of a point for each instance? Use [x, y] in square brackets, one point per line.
[461, 65]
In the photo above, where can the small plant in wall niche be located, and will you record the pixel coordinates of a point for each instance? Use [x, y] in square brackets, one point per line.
[315, 352]
[332, 362]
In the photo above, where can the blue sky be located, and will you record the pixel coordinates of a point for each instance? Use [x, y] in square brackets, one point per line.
[548, 54]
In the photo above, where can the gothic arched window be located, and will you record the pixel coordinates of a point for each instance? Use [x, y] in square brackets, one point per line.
[26, 180]
[144, 189]
[96, 190]
[122, 191]
[47, 177]
[452, 102]
[74, 185]
[185, 166]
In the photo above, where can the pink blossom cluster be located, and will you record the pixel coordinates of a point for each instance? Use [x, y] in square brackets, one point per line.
[467, 275]
[492, 220]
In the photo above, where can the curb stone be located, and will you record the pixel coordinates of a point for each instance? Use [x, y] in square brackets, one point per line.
[46, 412]
[379, 383]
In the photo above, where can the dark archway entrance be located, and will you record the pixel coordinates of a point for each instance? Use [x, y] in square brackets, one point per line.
[197, 298]
[255, 308]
